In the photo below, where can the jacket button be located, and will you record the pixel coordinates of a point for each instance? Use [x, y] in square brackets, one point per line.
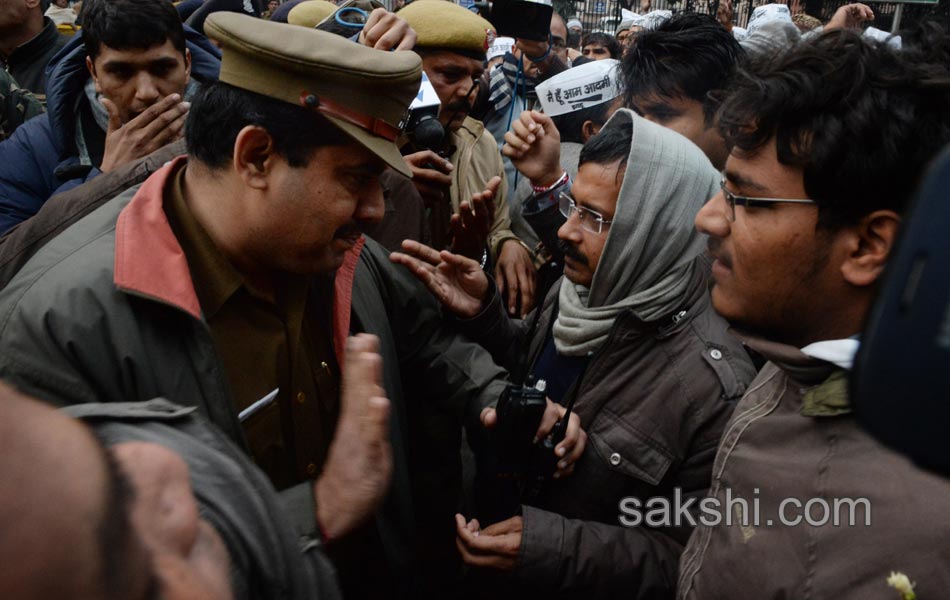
[715, 354]
[311, 469]
[301, 398]
[615, 459]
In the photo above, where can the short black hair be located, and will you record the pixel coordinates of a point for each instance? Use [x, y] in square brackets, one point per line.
[130, 24]
[603, 39]
[219, 111]
[571, 125]
[608, 146]
[861, 119]
[689, 56]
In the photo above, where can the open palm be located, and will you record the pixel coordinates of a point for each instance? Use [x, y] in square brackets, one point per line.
[459, 283]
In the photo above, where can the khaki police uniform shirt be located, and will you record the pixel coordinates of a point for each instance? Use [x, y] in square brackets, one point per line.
[267, 340]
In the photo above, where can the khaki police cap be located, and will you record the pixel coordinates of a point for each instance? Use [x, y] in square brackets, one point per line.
[310, 13]
[446, 25]
[364, 92]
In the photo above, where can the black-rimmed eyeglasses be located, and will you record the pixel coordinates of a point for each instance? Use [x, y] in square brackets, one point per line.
[732, 200]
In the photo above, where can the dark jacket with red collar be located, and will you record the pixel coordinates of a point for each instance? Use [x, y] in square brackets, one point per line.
[107, 312]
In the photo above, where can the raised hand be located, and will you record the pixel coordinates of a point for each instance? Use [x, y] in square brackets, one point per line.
[534, 146]
[356, 476]
[516, 277]
[459, 283]
[387, 31]
[471, 225]
[431, 174]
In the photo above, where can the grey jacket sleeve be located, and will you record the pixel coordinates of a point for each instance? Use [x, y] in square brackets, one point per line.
[607, 561]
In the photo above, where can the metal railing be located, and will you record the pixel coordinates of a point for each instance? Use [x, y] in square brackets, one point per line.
[604, 15]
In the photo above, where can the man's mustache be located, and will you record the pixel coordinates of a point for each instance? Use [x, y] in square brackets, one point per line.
[460, 106]
[713, 247]
[569, 250]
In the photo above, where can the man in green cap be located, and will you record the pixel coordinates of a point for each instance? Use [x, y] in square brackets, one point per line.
[232, 277]
[452, 42]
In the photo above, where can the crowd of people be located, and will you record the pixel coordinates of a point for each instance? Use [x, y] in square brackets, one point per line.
[300, 300]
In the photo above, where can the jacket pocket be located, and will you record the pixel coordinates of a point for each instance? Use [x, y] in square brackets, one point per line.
[622, 449]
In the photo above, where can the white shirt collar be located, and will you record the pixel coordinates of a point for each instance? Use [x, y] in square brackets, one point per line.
[837, 352]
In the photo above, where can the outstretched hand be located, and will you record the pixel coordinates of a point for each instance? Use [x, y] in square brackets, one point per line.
[472, 224]
[459, 283]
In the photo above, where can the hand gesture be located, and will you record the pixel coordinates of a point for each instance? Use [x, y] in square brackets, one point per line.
[850, 16]
[159, 124]
[534, 146]
[725, 13]
[471, 226]
[387, 31]
[497, 546]
[516, 277]
[459, 283]
[359, 465]
[430, 175]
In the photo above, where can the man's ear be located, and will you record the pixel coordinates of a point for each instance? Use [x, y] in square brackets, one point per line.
[870, 244]
[187, 65]
[254, 157]
[589, 129]
[91, 67]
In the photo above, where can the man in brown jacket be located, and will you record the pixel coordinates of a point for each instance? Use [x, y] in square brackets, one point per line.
[829, 142]
[452, 42]
[630, 333]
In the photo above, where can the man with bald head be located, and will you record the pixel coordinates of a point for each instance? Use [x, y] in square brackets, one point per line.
[159, 502]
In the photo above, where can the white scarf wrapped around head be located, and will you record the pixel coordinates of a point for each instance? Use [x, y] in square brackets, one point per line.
[646, 265]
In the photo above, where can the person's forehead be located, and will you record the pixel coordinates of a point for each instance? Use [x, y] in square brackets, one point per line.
[675, 100]
[138, 56]
[597, 186]
[760, 173]
[351, 156]
[446, 59]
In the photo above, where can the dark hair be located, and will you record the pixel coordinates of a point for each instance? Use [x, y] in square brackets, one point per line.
[219, 112]
[608, 146]
[690, 55]
[130, 24]
[571, 125]
[603, 39]
[861, 119]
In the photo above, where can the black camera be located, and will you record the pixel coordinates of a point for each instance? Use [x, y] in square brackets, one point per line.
[421, 122]
[519, 413]
[526, 19]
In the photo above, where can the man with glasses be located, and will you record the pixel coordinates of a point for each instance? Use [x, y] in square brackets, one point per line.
[629, 333]
[829, 142]
[452, 42]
